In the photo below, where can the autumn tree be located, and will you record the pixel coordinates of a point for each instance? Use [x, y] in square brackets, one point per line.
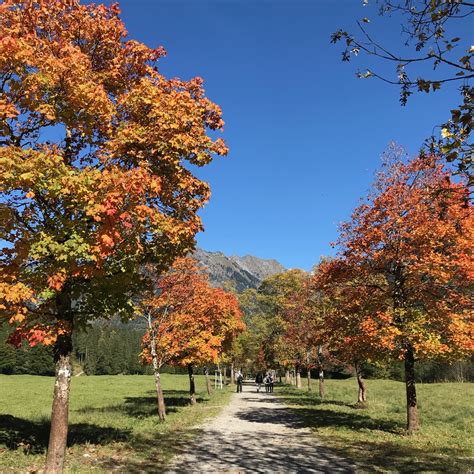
[410, 243]
[190, 323]
[92, 173]
[350, 299]
[247, 352]
[274, 294]
[298, 344]
[432, 37]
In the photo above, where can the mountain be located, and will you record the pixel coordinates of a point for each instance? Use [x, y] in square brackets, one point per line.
[242, 272]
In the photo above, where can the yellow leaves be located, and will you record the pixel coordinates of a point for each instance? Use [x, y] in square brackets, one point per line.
[30, 195]
[445, 133]
[155, 185]
[17, 318]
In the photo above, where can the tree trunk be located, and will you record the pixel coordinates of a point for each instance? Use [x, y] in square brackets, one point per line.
[60, 409]
[225, 374]
[308, 376]
[298, 378]
[362, 395]
[156, 372]
[413, 422]
[208, 382]
[232, 374]
[287, 377]
[192, 386]
[161, 398]
[322, 389]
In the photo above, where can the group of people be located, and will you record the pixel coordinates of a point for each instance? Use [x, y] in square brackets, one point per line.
[267, 381]
[260, 380]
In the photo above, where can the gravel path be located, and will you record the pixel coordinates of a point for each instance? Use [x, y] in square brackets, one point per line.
[256, 433]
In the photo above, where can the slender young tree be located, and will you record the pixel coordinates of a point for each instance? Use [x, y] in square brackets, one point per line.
[191, 323]
[92, 173]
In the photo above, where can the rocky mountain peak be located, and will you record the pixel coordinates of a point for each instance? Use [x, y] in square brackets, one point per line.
[243, 272]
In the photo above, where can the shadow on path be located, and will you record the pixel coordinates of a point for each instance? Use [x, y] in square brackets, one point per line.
[256, 433]
[296, 417]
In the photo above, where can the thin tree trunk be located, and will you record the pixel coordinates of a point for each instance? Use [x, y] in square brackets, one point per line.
[322, 389]
[362, 395]
[308, 369]
[161, 398]
[192, 386]
[225, 374]
[413, 422]
[156, 372]
[60, 409]
[287, 377]
[232, 374]
[298, 378]
[208, 382]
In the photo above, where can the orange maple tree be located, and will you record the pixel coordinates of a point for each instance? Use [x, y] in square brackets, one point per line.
[409, 248]
[190, 323]
[93, 179]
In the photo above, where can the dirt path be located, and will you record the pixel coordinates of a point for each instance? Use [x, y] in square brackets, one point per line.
[256, 433]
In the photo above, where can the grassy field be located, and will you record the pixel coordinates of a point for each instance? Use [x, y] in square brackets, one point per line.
[374, 438]
[113, 422]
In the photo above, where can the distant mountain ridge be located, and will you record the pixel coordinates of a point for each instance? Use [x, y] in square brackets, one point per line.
[243, 272]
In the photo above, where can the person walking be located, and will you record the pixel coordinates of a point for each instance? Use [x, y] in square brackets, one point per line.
[267, 383]
[239, 378]
[259, 381]
[270, 383]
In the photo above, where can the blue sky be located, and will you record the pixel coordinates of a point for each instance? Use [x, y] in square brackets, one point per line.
[305, 135]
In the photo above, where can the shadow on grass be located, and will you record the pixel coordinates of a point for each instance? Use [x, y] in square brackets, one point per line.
[388, 455]
[32, 437]
[144, 407]
[151, 455]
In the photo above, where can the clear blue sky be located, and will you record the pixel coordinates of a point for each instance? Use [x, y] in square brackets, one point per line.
[305, 134]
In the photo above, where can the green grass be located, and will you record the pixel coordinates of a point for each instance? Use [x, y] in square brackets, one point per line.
[112, 426]
[375, 438]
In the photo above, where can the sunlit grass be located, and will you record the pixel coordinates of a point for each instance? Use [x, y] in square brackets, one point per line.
[375, 437]
[113, 421]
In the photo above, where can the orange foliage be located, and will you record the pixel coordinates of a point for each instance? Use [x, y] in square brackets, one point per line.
[81, 214]
[404, 273]
[192, 323]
